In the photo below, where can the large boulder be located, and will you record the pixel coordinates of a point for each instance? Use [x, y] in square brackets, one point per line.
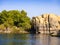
[46, 21]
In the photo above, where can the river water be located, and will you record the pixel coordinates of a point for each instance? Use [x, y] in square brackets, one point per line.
[28, 39]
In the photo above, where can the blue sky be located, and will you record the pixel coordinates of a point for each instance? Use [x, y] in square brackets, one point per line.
[32, 7]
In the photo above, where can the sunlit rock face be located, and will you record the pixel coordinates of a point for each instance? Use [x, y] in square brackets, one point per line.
[42, 22]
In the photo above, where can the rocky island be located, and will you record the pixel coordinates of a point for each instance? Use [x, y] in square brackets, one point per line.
[15, 21]
[47, 23]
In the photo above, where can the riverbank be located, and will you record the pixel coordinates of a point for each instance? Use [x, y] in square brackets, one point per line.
[10, 32]
[12, 29]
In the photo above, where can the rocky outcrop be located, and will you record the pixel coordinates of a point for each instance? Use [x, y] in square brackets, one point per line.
[45, 22]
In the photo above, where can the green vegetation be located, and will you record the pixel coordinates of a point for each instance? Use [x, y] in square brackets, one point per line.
[14, 20]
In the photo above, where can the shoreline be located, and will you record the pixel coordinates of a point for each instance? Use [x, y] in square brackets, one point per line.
[10, 32]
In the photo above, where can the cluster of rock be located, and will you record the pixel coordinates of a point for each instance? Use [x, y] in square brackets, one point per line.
[46, 22]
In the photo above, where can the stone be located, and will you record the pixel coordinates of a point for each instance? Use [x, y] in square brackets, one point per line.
[43, 23]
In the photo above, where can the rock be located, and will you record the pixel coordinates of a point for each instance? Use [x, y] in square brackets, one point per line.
[43, 22]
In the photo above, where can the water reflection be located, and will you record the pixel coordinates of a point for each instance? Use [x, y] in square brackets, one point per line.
[28, 39]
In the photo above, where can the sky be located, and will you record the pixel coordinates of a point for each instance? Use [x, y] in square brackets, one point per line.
[32, 7]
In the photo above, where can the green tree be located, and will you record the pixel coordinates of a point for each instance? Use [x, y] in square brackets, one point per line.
[15, 18]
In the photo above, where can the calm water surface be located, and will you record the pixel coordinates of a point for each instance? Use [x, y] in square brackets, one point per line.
[28, 39]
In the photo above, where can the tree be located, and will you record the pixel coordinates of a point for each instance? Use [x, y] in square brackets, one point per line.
[15, 18]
